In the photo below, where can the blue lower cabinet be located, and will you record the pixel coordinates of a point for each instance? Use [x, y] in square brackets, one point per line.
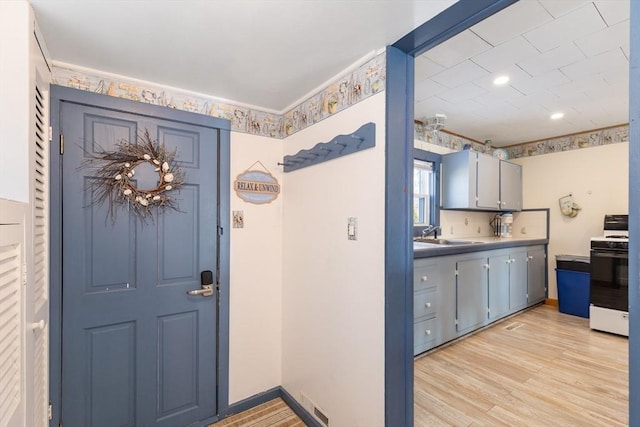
[457, 294]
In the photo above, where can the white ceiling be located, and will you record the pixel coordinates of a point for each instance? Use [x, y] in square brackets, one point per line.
[561, 55]
[265, 53]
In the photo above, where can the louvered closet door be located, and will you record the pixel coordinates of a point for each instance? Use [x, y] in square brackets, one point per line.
[37, 291]
[11, 392]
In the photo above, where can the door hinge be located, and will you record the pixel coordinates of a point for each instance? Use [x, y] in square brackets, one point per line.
[61, 144]
[456, 272]
[50, 133]
[220, 231]
[50, 411]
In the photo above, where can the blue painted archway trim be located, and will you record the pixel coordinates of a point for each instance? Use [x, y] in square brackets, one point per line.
[398, 171]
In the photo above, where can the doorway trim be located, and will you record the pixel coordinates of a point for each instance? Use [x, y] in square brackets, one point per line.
[60, 94]
[399, 193]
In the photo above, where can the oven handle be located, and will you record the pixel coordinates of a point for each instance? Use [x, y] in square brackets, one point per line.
[610, 254]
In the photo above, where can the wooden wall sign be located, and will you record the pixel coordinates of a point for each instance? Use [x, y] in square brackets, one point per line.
[257, 186]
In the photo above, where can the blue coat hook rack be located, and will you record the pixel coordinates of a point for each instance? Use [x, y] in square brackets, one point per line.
[341, 145]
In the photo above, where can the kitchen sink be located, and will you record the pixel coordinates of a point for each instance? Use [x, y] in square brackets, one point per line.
[443, 241]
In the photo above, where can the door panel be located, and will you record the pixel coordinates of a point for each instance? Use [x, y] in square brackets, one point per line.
[110, 360]
[518, 281]
[137, 350]
[498, 285]
[471, 293]
[488, 182]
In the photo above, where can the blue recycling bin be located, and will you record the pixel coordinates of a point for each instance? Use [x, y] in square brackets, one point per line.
[573, 278]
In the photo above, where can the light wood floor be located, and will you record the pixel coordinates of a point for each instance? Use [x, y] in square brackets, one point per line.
[540, 368]
[274, 413]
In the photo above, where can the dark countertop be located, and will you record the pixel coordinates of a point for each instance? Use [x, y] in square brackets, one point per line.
[428, 250]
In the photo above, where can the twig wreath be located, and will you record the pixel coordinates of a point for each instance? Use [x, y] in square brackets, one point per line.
[116, 177]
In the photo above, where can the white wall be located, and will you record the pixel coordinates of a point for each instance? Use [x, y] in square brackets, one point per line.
[14, 100]
[255, 328]
[598, 179]
[333, 289]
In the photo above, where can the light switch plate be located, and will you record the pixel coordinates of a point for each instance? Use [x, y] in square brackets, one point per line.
[352, 228]
[238, 219]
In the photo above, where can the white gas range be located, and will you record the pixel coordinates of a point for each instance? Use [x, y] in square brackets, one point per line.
[609, 287]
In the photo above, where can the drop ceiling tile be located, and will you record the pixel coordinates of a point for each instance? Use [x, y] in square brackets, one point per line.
[499, 95]
[505, 55]
[457, 49]
[613, 11]
[596, 64]
[515, 74]
[571, 99]
[427, 88]
[625, 50]
[569, 27]
[542, 82]
[431, 106]
[425, 68]
[607, 39]
[617, 77]
[542, 99]
[512, 21]
[462, 93]
[582, 84]
[558, 8]
[460, 74]
[552, 59]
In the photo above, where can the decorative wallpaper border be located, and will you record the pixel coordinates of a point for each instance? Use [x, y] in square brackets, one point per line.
[365, 81]
[447, 140]
[577, 141]
[586, 139]
[353, 87]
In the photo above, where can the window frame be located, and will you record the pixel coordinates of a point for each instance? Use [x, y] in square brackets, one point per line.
[434, 202]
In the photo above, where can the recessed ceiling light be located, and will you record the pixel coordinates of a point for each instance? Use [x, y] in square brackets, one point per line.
[501, 80]
[557, 116]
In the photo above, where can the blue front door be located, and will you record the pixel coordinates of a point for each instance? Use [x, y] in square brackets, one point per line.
[137, 350]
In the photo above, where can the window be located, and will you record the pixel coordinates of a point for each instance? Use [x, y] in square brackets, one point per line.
[423, 183]
[426, 188]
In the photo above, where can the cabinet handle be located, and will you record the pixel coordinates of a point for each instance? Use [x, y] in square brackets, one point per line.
[428, 305]
[423, 278]
[485, 266]
[529, 256]
[428, 332]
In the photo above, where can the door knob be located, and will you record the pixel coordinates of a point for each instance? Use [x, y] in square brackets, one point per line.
[206, 283]
[206, 291]
[37, 325]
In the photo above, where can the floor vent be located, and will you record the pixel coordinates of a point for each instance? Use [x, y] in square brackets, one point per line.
[313, 409]
[322, 417]
[513, 326]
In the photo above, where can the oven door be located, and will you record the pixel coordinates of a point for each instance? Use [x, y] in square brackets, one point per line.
[610, 279]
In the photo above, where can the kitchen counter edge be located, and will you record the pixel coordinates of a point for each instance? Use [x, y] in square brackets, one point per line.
[440, 250]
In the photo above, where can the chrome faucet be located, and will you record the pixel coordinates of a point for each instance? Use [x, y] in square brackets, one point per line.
[431, 229]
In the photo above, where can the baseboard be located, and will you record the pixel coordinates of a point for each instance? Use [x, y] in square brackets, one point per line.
[251, 402]
[552, 302]
[264, 397]
[299, 410]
